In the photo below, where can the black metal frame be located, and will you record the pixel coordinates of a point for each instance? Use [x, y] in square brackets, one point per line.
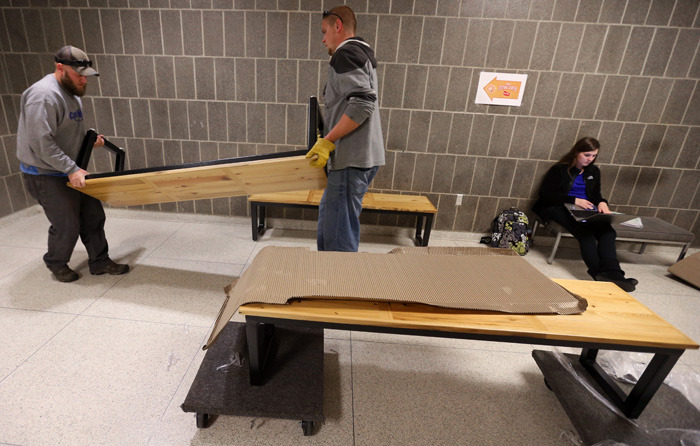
[260, 331]
[316, 127]
[86, 152]
[257, 218]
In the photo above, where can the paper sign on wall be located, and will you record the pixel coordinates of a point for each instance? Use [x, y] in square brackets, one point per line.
[500, 88]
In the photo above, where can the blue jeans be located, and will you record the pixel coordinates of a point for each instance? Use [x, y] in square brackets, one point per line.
[340, 207]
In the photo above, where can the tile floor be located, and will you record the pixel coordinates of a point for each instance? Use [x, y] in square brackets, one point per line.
[109, 360]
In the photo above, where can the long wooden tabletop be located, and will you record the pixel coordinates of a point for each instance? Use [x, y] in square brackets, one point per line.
[612, 317]
[207, 181]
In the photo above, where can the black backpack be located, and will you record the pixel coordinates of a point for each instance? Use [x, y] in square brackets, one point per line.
[511, 229]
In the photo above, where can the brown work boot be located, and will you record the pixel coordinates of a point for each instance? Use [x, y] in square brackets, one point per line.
[65, 274]
[111, 268]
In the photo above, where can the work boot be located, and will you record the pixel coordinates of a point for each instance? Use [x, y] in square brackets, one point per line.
[111, 268]
[65, 274]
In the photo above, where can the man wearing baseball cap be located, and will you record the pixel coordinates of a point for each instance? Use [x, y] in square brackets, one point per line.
[49, 137]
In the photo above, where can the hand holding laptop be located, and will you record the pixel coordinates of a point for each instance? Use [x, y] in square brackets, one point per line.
[582, 215]
[585, 204]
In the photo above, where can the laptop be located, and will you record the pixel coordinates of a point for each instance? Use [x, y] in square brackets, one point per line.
[582, 215]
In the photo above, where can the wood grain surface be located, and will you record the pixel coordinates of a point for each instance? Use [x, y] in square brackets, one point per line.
[613, 317]
[215, 181]
[391, 202]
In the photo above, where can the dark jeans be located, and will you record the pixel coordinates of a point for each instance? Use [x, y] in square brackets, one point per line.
[72, 214]
[340, 208]
[596, 241]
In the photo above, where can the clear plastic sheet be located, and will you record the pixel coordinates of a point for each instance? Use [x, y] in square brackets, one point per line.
[235, 359]
[627, 367]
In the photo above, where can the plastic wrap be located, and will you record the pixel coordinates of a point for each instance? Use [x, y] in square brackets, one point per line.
[235, 359]
[628, 367]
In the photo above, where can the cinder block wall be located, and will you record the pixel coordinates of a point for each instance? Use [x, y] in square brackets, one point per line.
[191, 80]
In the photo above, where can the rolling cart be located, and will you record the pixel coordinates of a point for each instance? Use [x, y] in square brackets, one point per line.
[292, 389]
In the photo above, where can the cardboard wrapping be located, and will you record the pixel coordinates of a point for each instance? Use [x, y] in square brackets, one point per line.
[688, 269]
[478, 280]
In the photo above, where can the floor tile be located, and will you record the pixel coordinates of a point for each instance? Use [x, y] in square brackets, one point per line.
[13, 258]
[29, 232]
[99, 380]
[130, 241]
[32, 287]
[420, 395]
[23, 333]
[169, 291]
[208, 242]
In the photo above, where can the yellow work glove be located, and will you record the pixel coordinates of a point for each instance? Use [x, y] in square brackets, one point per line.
[323, 149]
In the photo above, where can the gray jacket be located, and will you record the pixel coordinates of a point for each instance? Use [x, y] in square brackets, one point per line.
[351, 89]
[51, 127]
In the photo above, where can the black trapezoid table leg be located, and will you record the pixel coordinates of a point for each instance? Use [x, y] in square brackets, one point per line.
[428, 227]
[632, 404]
[259, 338]
[650, 381]
[257, 219]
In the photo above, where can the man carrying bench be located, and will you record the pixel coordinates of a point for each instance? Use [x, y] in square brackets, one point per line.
[354, 146]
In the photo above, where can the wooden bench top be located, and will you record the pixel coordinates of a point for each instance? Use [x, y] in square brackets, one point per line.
[215, 180]
[390, 202]
[612, 317]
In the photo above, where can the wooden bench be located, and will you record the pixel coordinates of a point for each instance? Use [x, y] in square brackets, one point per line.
[653, 230]
[415, 205]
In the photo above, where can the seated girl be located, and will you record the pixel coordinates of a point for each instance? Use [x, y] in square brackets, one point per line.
[575, 179]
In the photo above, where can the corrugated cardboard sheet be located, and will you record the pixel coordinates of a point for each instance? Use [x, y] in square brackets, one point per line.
[480, 280]
[688, 269]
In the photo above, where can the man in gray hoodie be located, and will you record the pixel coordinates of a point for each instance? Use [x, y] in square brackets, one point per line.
[354, 146]
[49, 137]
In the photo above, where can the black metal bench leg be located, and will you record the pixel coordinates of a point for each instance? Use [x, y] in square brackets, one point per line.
[254, 220]
[261, 220]
[419, 230]
[428, 227]
[257, 219]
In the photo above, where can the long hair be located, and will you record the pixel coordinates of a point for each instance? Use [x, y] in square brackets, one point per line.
[586, 144]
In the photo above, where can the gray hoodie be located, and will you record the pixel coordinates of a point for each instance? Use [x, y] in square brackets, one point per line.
[351, 89]
[50, 129]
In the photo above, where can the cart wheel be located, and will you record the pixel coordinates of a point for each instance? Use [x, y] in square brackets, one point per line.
[203, 420]
[546, 383]
[307, 427]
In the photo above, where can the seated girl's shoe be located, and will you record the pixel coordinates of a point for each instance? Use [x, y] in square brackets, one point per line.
[618, 279]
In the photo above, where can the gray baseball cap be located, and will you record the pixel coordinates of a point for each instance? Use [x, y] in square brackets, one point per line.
[77, 59]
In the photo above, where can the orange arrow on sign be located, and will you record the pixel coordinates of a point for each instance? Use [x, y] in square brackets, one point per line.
[502, 89]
